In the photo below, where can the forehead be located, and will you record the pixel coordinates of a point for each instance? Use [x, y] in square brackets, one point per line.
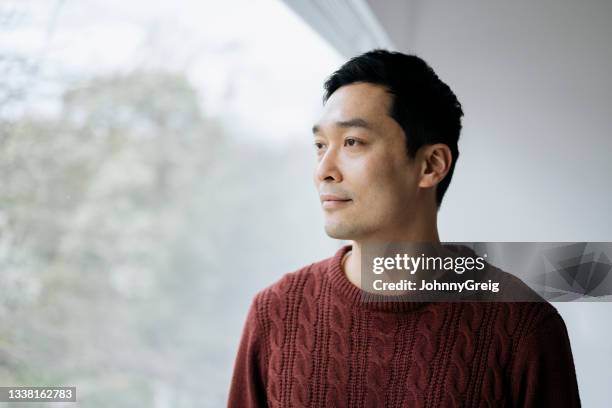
[360, 100]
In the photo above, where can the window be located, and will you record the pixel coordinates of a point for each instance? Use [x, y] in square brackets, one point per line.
[153, 157]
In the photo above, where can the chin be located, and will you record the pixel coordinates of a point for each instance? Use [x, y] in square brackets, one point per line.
[335, 235]
[343, 231]
[335, 231]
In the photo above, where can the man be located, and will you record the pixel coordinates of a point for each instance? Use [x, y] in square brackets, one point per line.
[387, 146]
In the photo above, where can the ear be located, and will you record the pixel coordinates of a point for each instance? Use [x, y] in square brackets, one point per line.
[435, 160]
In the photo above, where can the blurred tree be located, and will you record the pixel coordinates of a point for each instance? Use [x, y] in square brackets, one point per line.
[92, 205]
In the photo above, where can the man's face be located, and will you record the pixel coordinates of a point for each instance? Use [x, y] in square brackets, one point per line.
[364, 177]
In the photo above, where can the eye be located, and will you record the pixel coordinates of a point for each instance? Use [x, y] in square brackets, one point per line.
[351, 142]
[318, 145]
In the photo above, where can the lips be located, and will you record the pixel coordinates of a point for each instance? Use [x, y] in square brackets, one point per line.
[334, 201]
[331, 197]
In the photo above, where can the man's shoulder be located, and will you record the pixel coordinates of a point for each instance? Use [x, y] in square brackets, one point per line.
[516, 308]
[519, 296]
[305, 280]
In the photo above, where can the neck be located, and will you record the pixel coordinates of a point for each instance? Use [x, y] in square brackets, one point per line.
[426, 232]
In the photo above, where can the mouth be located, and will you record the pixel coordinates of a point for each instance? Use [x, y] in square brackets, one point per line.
[330, 204]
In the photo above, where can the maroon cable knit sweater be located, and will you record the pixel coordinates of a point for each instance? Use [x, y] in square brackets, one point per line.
[309, 341]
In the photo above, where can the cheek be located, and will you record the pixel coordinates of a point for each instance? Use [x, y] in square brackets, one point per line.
[385, 182]
[377, 179]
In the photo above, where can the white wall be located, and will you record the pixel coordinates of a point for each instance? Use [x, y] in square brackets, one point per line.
[535, 86]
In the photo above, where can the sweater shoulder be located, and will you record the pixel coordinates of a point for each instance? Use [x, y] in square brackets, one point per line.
[520, 295]
[296, 284]
[530, 318]
[541, 316]
[518, 310]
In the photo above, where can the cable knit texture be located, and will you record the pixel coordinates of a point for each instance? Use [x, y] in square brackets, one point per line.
[309, 341]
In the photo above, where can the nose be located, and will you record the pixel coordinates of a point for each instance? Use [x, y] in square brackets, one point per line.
[327, 168]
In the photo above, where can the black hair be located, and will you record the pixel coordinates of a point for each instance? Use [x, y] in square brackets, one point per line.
[424, 106]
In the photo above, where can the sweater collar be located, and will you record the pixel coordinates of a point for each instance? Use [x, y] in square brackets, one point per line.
[359, 298]
[353, 295]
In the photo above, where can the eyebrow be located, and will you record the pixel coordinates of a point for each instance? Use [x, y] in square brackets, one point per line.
[351, 123]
